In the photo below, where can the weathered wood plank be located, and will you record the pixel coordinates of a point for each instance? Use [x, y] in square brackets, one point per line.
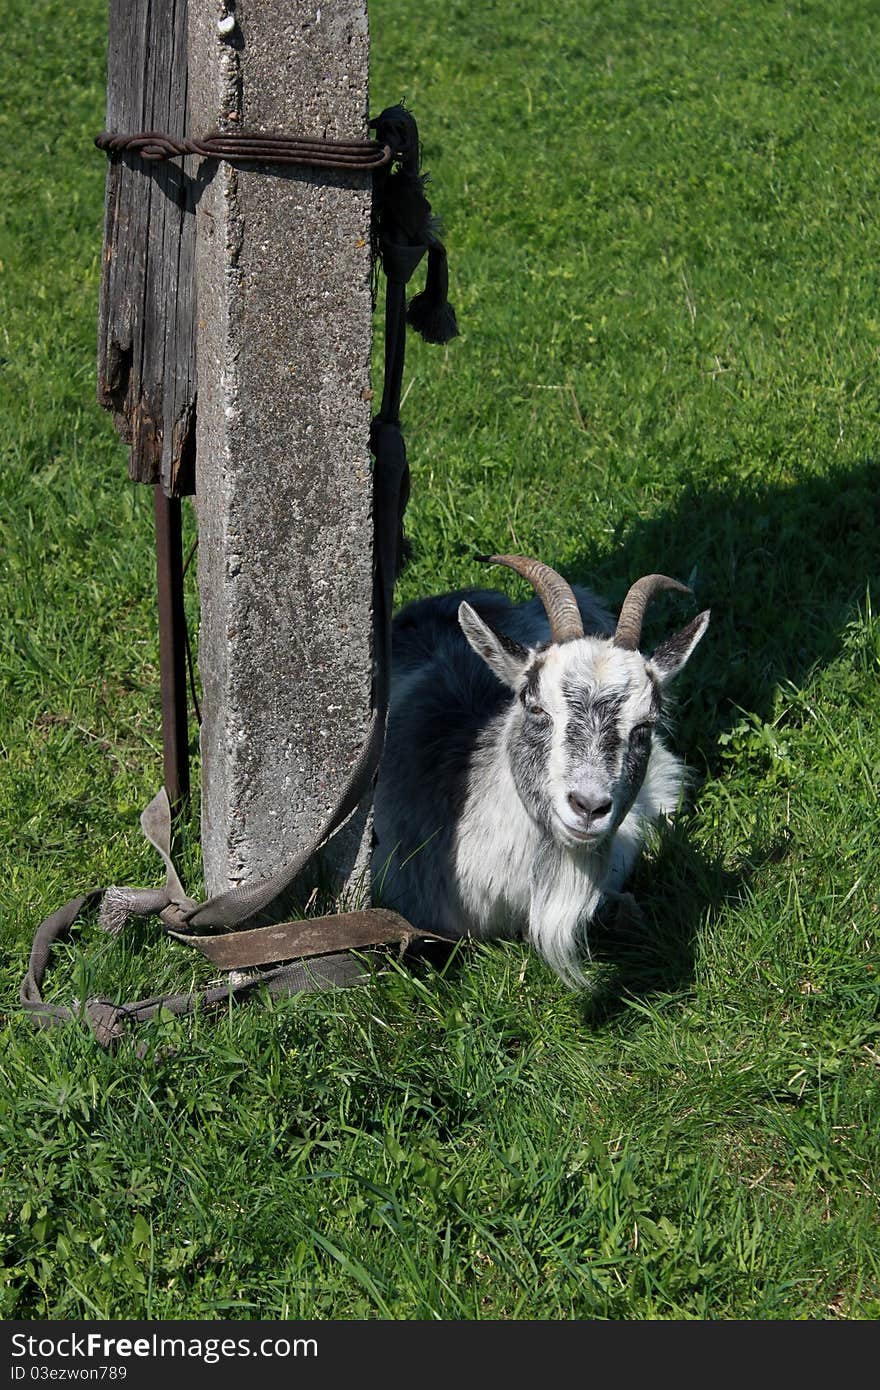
[146, 327]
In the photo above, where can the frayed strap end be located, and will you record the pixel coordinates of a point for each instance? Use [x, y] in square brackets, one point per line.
[118, 904]
[115, 910]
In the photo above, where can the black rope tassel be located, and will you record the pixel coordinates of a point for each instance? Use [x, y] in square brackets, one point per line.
[430, 312]
[406, 223]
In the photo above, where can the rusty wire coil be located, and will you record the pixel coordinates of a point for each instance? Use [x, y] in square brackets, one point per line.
[154, 145]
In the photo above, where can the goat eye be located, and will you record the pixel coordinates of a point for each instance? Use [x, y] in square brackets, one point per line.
[537, 711]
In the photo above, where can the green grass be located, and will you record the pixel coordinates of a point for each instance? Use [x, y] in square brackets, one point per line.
[660, 225]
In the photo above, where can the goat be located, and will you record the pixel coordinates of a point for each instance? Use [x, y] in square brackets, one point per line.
[523, 761]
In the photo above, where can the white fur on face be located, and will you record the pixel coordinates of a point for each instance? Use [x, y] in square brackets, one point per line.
[595, 694]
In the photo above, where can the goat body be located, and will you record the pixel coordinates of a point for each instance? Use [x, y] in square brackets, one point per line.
[522, 764]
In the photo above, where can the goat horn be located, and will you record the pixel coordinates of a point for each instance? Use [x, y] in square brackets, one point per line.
[628, 634]
[555, 594]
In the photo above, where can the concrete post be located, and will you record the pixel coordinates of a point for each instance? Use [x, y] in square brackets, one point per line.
[283, 467]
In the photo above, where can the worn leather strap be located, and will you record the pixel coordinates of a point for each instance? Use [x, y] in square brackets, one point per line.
[316, 936]
[109, 1020]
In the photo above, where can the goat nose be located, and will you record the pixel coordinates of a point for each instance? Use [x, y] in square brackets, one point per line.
[590, 807]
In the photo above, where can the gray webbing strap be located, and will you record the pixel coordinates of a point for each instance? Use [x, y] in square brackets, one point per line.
[108, 1020]
[317, 942]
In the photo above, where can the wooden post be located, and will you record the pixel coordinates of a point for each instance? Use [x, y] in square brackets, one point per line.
[146, 327]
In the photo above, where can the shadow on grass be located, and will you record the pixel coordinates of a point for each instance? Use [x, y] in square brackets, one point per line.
[680, 891]
[783, 569]
[639, 958]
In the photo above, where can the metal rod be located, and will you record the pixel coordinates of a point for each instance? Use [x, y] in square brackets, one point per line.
[172, 647]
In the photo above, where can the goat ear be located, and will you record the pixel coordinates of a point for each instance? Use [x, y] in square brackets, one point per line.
[671, 655]
[506, 658]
